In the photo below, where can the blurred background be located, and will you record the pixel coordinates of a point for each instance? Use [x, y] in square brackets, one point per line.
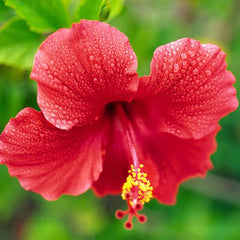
[206, 209]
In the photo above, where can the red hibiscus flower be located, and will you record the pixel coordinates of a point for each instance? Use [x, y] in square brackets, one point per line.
[103, 127]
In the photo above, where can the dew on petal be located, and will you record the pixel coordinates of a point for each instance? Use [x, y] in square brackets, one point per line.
[183, 55]
[91, 58]
[50, 76]
[176, 67]
[195, 71]
[184, 64]
[208, 72]
[191, 53]
[52, 120]
[45, 66]
[170, 76]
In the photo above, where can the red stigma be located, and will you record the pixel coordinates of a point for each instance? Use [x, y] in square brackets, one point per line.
[128, 225]
[131, 211]
[119, 214]
[139, 206]
[128, 196]
[142, 218]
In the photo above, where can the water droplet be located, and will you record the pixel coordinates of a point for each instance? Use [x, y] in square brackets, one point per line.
[50, 76]
[191, 53]
[45, 66]
[164, 66]
[51, 62]
[183, 55]
[52, 120]
[176, 67]
[33, 74]
[91, 58]
[184, 64]
[195, 71]
[208, 72]
[194, 62]
[170, 76]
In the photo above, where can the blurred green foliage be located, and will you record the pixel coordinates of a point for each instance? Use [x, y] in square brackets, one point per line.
[18, 45]
[203, 215]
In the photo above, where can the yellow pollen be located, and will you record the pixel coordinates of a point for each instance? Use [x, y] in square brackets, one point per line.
[137, 187]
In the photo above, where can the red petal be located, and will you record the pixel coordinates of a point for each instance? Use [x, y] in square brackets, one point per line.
[170, 160]
[188, 90]
[79, 70]
[48, 160]
[116, 161]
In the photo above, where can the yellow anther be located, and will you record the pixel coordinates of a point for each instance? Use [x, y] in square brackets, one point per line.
[137, 187]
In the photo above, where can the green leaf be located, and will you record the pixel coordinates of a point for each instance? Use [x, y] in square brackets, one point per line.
[42, 16]
[5, 12]
[116, 7]
[104, 12]
[72, 7]
[18, 44]
[98, 9]
[88, 9]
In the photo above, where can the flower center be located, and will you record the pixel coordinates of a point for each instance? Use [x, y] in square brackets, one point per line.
[137, 189]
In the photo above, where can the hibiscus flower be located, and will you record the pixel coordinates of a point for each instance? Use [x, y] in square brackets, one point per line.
[103, 127]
